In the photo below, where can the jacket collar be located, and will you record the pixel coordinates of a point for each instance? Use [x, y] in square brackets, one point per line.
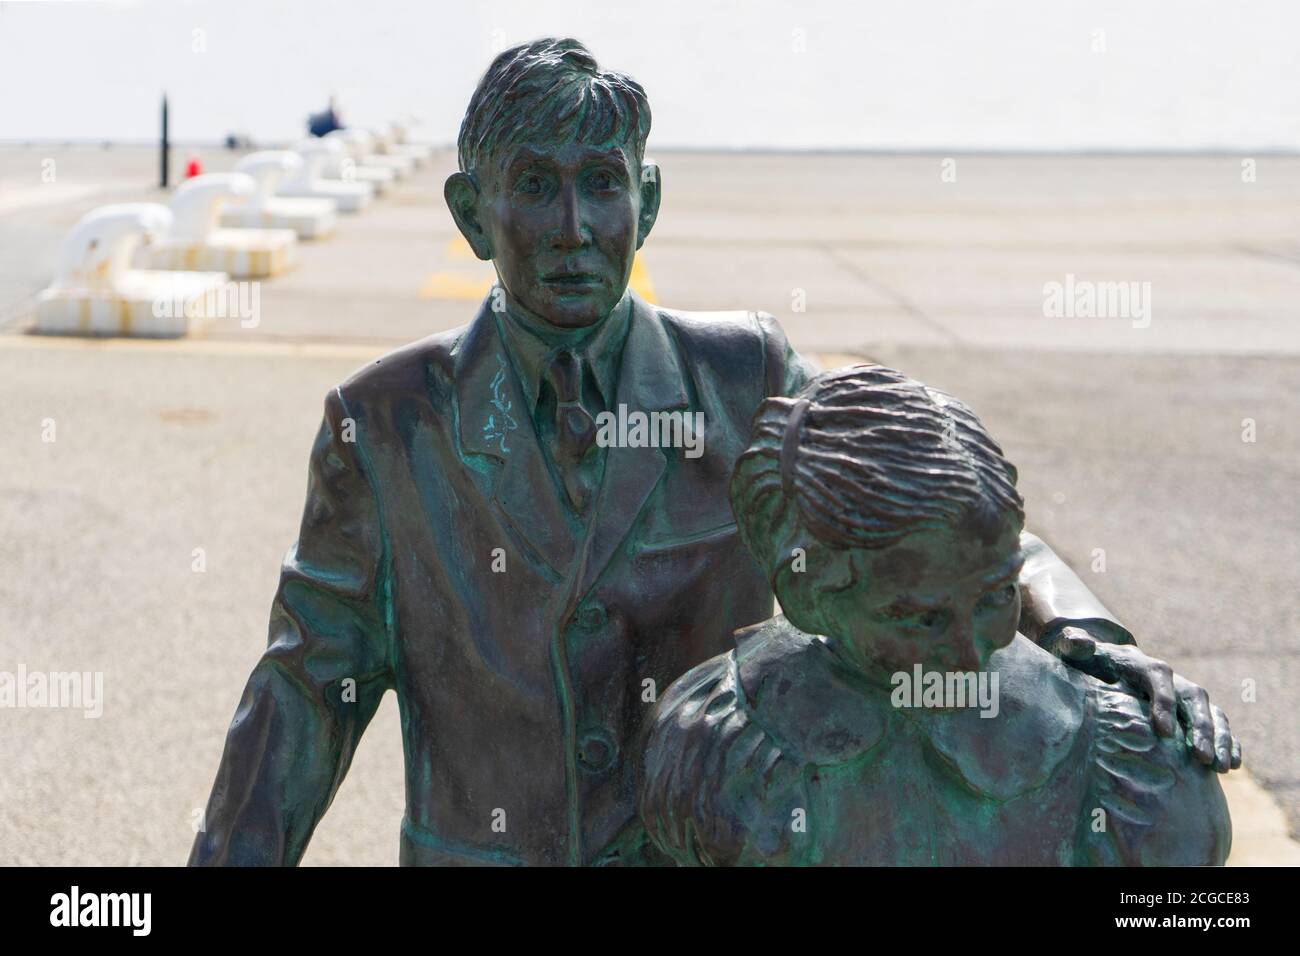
[492, 420]
[601, 349]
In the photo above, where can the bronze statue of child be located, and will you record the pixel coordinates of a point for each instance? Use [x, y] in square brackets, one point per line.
[893, 714]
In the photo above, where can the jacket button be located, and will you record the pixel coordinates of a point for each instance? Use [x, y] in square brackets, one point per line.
[596, 751]
[592, 616]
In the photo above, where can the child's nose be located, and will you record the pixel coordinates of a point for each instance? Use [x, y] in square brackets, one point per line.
[965, 650]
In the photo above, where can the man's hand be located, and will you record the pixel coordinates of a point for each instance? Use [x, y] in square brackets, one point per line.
[1173, 700]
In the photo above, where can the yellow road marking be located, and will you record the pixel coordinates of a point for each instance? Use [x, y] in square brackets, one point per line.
[447, 285]
[314, 350]
[199, 346]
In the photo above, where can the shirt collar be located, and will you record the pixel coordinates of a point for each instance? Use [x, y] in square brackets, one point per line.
[531, 345]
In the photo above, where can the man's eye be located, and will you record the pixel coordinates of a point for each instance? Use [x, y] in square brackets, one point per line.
[998, 598]
[530, 185]
[601, 181]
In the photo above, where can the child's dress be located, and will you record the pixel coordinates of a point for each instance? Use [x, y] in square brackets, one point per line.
[781, 753]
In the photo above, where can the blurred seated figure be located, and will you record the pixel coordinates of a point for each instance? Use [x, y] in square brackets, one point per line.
[325, 122]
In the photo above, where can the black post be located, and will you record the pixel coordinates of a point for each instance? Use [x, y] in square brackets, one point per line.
[166, 146]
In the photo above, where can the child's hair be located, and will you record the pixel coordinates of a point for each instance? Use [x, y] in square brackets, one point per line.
[864, 456]
[551, 91]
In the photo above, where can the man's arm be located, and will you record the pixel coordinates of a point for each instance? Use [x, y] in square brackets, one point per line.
[322, 676]
[787, 371]
[1060, 614]
[1052, 597]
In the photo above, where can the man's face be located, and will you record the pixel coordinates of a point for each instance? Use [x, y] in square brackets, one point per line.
[562, 224]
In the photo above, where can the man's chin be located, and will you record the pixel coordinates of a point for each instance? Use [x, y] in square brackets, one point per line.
[575, 311]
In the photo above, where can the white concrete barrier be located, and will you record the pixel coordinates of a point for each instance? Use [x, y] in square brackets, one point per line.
[384, 152]
[403, 129]
[95, 292]
[196, 242]
[355, 164]
[309, 217]
[311, 183]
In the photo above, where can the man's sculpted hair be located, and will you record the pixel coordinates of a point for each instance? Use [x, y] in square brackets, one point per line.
[864, 456]
[551, 91]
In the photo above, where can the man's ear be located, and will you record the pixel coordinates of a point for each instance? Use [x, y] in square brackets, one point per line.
[651, 190]
[462, 195]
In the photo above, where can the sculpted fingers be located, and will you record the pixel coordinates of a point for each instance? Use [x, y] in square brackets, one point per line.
[1194, 710]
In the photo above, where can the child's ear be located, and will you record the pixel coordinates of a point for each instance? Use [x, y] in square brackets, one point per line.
[810, 574]
[836, 572]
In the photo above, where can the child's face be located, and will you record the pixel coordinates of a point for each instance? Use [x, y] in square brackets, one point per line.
[564, 225]
[943, 599]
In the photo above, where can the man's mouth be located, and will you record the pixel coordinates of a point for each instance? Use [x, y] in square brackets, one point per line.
[567, 281]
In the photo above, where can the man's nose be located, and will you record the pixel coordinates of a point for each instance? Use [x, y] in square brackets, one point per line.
[572, 233]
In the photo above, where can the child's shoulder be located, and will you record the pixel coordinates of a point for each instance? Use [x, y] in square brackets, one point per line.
[1162, 806]
[1035, 724]
[799, 691]
[709, 772]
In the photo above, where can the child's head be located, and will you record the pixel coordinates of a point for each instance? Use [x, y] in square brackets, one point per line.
[886, 517]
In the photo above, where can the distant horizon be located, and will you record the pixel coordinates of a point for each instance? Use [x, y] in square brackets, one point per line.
[92, 143]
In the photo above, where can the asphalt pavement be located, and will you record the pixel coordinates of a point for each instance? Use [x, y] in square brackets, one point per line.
[1159, 449]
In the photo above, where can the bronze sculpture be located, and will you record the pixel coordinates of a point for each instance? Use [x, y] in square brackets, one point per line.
[527, 589]
[892, 714]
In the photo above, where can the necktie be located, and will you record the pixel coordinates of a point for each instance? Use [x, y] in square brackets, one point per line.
[575, 429]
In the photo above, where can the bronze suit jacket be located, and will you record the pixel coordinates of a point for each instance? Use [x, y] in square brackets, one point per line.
[435, 559]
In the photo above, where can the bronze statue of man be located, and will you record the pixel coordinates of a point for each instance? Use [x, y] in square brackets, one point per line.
[892, 715]
[526, 588]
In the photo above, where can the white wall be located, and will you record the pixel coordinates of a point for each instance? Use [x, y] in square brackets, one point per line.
[901, 74]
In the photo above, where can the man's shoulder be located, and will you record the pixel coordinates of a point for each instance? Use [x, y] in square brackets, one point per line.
[721, 327]
[412, 370]
[745, 345]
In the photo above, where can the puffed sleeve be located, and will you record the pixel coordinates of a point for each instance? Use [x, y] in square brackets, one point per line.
[1159, 806]
[715, 789]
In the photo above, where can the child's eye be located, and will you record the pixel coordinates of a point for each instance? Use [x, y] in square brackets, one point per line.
[913, 617]
[931, 619]
[894, 613]
[998, 598]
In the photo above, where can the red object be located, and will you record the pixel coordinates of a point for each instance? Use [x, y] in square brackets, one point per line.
[193, 168]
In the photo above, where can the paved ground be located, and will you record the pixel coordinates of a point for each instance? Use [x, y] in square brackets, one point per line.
[1128, 439]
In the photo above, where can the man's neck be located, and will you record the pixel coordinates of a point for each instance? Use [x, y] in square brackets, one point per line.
[558, 336]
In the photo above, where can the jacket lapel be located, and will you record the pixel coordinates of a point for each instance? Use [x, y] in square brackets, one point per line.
[650, 379]
[493, 421]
